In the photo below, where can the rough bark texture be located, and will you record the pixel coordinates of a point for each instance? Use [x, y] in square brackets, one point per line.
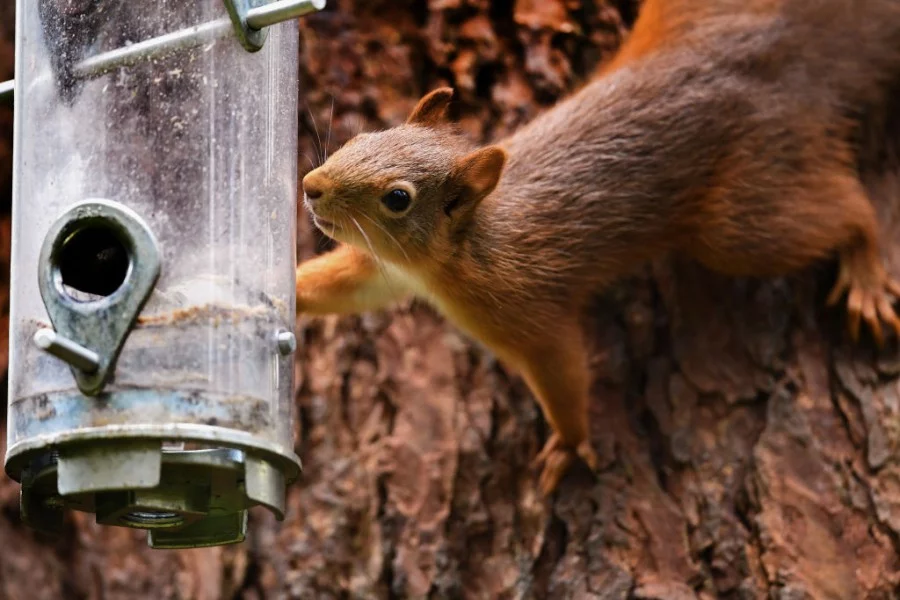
[749, 451]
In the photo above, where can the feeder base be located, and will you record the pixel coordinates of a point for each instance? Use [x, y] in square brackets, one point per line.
[183, 498]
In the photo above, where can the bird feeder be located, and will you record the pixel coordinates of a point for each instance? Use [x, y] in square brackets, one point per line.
[153, 256]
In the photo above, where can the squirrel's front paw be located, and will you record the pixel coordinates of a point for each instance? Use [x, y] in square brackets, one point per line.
[304, 283]
[301, 303]
[556, 458]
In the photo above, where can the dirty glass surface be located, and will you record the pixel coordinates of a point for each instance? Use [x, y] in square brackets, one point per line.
[200, 143]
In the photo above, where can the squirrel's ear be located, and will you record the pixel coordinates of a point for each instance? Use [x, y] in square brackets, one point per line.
[477, 174]
[432, 109]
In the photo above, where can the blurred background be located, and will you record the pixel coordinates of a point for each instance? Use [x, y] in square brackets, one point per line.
[747, 451]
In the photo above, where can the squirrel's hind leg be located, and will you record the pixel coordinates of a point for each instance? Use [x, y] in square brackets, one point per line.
[558, 373]
[555, 459]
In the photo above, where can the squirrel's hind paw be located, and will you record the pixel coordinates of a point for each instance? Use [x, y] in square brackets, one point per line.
[555, 460]
[869, 301]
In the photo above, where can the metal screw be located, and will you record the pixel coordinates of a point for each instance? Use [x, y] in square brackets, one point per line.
[287, 342]
[65, 349]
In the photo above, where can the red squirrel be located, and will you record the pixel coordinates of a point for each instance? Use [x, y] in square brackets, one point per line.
[724, 131]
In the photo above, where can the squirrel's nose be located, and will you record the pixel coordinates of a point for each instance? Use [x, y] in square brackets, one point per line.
[313, 185]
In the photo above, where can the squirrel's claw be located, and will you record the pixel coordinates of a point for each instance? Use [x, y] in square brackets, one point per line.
[555, 467]
[869, 298]
[884, 305]
[586, 453]
[837, 292]
[887, 313]
[875, 307]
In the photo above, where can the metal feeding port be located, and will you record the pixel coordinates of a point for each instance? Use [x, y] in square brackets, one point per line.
[152, 287]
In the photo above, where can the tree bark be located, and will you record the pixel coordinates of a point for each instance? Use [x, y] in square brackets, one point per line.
[748, 449]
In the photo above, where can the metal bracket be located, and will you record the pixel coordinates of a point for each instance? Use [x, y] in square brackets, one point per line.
[89, 335]
[248, 19]
[251, 39]
[251, 17]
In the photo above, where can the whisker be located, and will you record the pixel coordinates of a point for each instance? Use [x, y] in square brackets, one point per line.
[323, 239]
[330, 125]
[387, 233]
[375, 257]
[309, 160]
[365, 237]
[318, 137]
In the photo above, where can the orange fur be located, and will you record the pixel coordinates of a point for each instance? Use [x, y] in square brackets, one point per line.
[651, 31]
[724, 130]
[344, 281]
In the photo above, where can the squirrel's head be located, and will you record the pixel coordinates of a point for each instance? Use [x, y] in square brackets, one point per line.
[405, 192]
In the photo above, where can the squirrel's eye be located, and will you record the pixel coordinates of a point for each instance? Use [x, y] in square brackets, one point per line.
[396, 200]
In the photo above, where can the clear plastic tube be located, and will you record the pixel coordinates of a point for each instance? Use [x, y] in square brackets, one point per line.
[201, 144]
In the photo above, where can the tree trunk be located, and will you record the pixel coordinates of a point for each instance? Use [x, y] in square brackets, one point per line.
[748, 449]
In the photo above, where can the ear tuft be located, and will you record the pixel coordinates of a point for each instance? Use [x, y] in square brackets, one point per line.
[432, 109]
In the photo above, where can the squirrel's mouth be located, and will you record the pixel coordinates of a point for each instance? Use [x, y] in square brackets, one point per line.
[325, 225]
